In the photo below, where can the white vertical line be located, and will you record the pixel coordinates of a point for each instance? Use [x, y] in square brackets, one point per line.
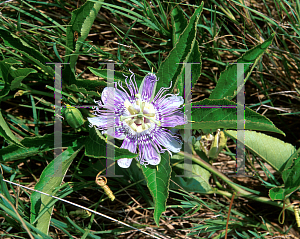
[240, 142]
[188, 163]
[57, 123]
[110, 149]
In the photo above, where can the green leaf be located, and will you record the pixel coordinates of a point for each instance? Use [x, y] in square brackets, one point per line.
[227, 84]
[199, 183]
[19, 75]
[170, 70]
[75, 88]
[4, 191]
[95, 147]
[50, 179]
[5, 66]
[11, 76]
[10, 213]
[81, 22]
[34, 145]
[272, 150]
[28, 51]
[226, 118]
[179, 23]
[291, 160]
[90, 87]
[291, 178]
[276, 193]
[6, 133]
[195, 57]
[158, 181]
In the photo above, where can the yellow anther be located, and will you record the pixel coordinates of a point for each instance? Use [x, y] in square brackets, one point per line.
[132, 110]
[153, 120]
[143, 106]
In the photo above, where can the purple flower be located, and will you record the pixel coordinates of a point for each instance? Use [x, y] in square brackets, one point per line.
[140, 119]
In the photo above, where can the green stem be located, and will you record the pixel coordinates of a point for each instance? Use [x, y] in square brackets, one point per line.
[239, 191]
[219, 185]
[213, 170]
[255, 198]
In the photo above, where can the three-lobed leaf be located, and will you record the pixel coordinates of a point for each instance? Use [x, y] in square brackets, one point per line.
[216, 114]
[19, 75]
[179, 23]
[291, 178]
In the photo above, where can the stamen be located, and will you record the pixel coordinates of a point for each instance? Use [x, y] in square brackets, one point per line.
[150, 114]
[129, 122]
[143, 125]
[132, 110]
[154, 121]
[143, 106]
[122, 117]
[138, 96]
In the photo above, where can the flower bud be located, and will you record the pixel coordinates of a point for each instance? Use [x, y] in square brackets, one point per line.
[74, 117]
[219, 142]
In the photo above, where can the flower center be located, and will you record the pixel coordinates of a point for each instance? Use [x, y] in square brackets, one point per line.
[141, 115]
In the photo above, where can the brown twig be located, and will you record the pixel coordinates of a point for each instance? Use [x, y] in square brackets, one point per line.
[232, 198]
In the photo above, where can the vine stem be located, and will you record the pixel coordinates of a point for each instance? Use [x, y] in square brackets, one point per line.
[240, 192]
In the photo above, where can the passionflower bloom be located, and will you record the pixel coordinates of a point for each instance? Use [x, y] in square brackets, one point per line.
[141, 120]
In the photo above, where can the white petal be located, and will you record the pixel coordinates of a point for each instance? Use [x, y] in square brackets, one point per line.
[129, 143]
[101, 121]
[109, 92]
[172, 101]
[124, 162]
[98, 121]
[149, 154]
[155, 160]
[168, 141]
